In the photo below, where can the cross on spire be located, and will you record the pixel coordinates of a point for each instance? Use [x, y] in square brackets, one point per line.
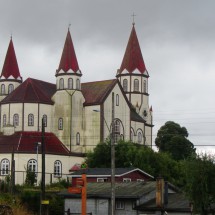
[133, 18]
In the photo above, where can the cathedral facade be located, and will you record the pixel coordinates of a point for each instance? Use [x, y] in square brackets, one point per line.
[77, 116]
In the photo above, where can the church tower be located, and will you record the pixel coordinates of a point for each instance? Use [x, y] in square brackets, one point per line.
[68, 74]
[133, 77]
[68, 99]
[10, 77]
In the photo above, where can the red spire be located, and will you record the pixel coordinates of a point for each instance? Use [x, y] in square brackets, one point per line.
[10, 67]
[133, 58]
[68, 58]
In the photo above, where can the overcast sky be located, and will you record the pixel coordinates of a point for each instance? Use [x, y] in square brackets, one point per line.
[177, 38]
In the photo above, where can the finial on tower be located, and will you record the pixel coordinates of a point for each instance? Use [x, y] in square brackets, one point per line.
[133, 18]
[69, 26]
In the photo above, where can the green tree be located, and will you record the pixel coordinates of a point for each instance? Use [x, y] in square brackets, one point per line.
[172, 138]
[199, 182]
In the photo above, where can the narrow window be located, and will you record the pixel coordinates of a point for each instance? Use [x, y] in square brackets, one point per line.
[30, 119]
[117, 131]
[126, 180]
[60, 124]
[57, 168]
[10, 88]
[45, 120]
[61, 84]
[32, 165]
[136, 85]
[120, 205]
[125, 85]
[132, 136]
[70, 83]
[16, 120]
[78, 84]
[140, 137]
[2, 89]
[4, 120]
[5, 164]
[78, 138]
[144, 87]
[117, 100]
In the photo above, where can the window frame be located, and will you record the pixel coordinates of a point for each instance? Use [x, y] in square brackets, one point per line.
[120, 205]
[61, 84]
[16, 119]
[10, 88]
[5, 166]
[78, 87]
[117, 99]
[70, 83]
[136, 85]
[125, 85]
[57, 169]
[4, 120]
[139, 137]
[2, 89]
[30, 119]
[32, 165]
[78, 139]
[144, 86]
[60, 123]
[126, 180]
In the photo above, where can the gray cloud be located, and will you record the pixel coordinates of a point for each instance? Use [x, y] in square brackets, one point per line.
[176, 38]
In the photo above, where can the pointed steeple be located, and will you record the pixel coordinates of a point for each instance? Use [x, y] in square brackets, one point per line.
[10, 67]
[68, 58]
[133, 58]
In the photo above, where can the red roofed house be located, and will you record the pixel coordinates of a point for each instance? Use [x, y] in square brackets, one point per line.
[77, 115]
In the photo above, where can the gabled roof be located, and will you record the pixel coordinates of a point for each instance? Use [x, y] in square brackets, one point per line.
[177, 202]
[10, 67]
[68, 58]
[25, 142]
[96, 92]
[94, 172]
[133, 58]
[32, 91]
[131, 190]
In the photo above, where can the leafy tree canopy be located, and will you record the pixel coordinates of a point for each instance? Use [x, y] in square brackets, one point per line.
[172, 138]
[128, 154]
[199, 178]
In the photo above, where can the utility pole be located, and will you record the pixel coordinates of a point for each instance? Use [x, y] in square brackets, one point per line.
[43, 209]
[12, 172]
[113, 160]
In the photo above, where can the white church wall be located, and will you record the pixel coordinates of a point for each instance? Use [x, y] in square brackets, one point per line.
[21, 162]
[91, 127]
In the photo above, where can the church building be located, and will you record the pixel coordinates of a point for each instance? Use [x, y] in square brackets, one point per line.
[77, 116]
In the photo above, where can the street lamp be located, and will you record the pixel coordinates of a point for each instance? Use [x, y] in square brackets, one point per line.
[38, 144]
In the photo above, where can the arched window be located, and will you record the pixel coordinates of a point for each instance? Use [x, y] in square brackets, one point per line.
[10, 88]
[136, 85]
[125, 85]
[139, 137]
[45, 120]
[5, 166]
[117, 100]
[57, 168]
[60, 124]
[78, 84]
[4, 120]
[116, 131]
[16, 120]
[78, 138]
[32, 165]
[2, 89]
[70, 83]
[30, 119]
[144, 87]
[132, 136]
[61, 84]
